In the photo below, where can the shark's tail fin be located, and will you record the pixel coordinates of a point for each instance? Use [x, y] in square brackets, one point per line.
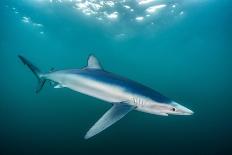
[36, 71]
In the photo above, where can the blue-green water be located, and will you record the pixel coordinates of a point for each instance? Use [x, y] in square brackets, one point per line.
[183, 51]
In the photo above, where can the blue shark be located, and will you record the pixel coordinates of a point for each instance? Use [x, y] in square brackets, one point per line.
[124, 94]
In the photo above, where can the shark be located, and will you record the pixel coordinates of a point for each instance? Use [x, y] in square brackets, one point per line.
[124, 94]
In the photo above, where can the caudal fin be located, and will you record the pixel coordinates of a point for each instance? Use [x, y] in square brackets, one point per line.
[36, 71]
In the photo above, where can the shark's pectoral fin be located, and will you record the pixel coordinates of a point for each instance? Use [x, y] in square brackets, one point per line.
[115, 113]
[93, 63]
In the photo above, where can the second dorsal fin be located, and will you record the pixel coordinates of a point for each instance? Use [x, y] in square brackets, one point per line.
[93, 63]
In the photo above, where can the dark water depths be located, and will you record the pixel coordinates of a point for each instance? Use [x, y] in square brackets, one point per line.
[183, 51]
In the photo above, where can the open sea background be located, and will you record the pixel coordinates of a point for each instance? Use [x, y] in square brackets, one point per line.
[182, 48]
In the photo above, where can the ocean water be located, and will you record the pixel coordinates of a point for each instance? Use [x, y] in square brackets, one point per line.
[181, 48]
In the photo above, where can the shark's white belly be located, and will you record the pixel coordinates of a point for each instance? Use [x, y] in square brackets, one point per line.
[91, 87]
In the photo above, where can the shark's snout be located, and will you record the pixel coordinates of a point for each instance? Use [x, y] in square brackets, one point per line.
[188, 111]
[181, 110]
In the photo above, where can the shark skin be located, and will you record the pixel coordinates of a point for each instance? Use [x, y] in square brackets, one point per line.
[125, 94]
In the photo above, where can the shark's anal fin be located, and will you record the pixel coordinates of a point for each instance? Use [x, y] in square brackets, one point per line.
[93, 63]
[115, 113]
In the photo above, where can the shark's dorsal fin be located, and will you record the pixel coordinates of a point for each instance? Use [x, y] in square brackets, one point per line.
[93, 63]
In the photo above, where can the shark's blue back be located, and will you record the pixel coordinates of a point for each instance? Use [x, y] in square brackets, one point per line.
[127, 84]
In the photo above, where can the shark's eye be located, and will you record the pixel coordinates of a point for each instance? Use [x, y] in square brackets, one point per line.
[173, 109]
